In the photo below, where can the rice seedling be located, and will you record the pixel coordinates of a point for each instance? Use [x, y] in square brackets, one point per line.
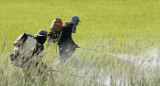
[127, 30]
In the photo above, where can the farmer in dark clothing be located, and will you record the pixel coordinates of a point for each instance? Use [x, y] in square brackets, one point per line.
[65, 42]
[41, 38]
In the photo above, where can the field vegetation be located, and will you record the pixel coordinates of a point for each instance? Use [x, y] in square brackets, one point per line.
[128, 30]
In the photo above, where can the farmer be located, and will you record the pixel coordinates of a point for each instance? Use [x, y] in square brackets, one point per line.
[65, 42]
[26, 46]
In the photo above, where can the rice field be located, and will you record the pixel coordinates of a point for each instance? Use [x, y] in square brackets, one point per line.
[126, 31]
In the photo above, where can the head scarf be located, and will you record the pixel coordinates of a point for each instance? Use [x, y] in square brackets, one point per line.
[74, 21]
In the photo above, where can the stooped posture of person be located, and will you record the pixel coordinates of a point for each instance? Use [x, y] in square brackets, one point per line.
[28, 53]
[26, 46]
[63, 36]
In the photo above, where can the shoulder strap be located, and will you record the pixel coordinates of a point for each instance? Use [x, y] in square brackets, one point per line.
[30, 35]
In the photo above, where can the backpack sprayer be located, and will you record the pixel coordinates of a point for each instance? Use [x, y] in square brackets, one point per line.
[54, 36]
[56, 30]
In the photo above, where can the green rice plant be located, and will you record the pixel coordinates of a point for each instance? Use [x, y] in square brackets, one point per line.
[128, 30]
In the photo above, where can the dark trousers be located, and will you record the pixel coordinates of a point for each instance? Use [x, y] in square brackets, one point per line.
[66, 50]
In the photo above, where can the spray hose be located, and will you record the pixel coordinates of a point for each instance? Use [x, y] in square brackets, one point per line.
[96, 51]
[65, 73]
[78, 75]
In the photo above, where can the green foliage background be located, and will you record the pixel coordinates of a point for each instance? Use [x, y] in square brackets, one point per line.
[118, 26]
[125, 20]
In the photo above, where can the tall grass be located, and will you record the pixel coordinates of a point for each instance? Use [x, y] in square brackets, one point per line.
[83, 68]
[120, 27]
